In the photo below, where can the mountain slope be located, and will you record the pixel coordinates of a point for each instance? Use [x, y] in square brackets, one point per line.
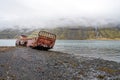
[81, 33]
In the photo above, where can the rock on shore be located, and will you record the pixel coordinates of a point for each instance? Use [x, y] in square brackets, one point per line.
[29, 64]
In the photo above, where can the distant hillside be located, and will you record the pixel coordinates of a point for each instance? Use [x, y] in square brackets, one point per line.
[81, 33]
[10, 33]
[87, 33]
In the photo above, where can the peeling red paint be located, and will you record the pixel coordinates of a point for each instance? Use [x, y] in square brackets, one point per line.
[45, 40]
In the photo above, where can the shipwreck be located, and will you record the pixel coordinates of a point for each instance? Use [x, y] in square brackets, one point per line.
[43, 40]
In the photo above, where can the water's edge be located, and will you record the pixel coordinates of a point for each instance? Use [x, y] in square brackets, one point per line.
[108, 50]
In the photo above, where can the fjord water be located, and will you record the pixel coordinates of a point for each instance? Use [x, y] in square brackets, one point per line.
[7, 42]
[108, 50]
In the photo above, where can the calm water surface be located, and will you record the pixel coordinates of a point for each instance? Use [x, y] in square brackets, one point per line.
[108, 50]
[7, 42]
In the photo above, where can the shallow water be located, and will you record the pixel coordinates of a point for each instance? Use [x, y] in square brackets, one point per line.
[7, 42]
[108, 50]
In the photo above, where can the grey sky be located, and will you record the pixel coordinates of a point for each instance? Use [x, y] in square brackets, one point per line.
[58, 12]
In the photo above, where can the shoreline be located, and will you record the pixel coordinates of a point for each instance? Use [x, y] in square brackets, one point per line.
[6, 48]
[26, 63]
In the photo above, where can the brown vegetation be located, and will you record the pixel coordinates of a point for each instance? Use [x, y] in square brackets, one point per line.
[2, 49]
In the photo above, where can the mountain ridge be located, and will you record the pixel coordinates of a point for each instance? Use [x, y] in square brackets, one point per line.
[78, 33]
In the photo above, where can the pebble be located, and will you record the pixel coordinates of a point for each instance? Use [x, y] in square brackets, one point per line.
[30, 64]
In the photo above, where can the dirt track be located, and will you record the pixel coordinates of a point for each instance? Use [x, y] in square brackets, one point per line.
[29, 64]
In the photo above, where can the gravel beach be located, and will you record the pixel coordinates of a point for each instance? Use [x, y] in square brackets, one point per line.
[22, 63]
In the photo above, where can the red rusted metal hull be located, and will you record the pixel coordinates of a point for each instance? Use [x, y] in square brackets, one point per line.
[44, 41]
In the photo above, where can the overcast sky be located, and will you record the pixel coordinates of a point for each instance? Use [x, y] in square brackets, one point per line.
[43, 13]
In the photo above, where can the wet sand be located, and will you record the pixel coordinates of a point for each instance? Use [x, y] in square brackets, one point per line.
[22, 63]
